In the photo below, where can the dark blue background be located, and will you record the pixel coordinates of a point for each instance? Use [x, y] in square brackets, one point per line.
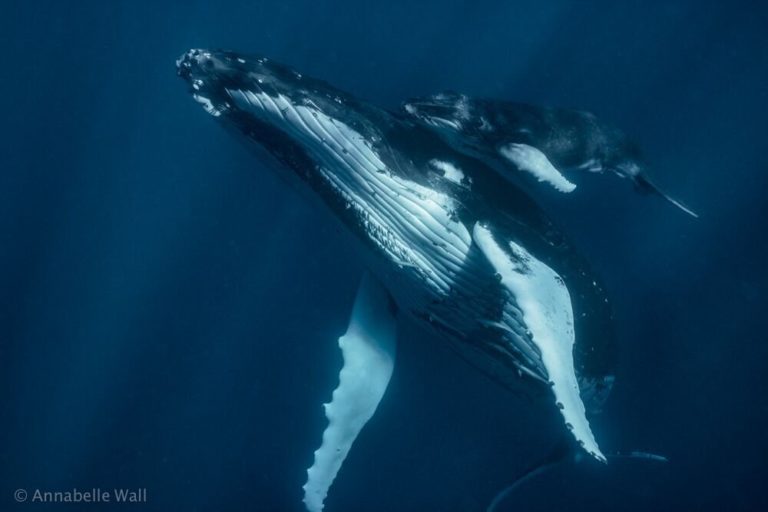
[169, 310]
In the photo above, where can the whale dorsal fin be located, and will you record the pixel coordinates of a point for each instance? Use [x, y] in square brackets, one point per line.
[545, 302]
[369, 348]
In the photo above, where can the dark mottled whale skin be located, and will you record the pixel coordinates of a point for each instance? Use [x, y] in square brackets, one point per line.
[571, 140]
[407, 147]
[447, 240]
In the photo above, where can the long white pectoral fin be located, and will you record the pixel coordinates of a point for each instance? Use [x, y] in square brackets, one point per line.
[532, 160]
[368, 347]
[545, 302]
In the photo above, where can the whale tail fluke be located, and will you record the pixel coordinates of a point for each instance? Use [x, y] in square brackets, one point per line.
[646, 186]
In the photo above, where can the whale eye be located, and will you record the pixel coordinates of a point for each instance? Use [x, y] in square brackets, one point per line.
[476, 123]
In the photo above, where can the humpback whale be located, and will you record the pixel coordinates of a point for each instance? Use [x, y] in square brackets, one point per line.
[446, 240]
[547, 143]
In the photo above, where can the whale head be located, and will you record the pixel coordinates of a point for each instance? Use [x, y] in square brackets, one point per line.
[213, 76]
[449, 111]
[225, 82]
[457, 118]
[305, 123]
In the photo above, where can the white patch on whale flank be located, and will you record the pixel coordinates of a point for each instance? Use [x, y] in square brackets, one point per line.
[462, 108]
[591, 165]
[450, 171]
[207, 105]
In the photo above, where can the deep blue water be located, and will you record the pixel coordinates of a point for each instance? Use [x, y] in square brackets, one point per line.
[169, 309]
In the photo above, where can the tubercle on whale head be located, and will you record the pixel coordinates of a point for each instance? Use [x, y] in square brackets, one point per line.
[215, 77]
[225, 64]
[207, 74]
[211, 73]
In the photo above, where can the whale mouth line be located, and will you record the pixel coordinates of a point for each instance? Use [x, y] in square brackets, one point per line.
[423, 112]
[440, 122]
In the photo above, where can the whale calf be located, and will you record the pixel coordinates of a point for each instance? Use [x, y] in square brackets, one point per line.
[551, 144]
[446, 241]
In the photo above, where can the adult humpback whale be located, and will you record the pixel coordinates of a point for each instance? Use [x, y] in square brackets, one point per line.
[546, 142]
[447, 241]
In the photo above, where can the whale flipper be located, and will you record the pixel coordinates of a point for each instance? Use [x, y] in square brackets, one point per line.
[545, 303]
[532, 160]
[369, 348]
